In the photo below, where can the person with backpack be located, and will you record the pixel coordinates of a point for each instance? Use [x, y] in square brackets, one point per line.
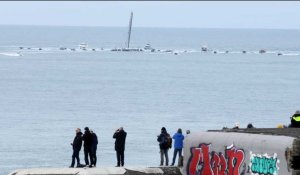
[165, 142]
[178, 145]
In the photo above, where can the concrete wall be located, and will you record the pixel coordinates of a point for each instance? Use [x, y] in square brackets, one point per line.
[99, 171]
[216, 153]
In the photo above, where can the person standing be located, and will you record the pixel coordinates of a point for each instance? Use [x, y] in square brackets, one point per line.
[295, 120]
[163, 145]
[94, 147]
[178, 145]
[77, 144]
[88, 140]
[120, 136]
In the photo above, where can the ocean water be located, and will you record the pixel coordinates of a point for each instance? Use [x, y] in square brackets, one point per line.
[46, 94]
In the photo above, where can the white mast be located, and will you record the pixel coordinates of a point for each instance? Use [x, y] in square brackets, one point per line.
[129, 31]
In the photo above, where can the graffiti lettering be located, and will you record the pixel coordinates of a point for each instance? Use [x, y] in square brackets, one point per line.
[264, 164]
[205, 162]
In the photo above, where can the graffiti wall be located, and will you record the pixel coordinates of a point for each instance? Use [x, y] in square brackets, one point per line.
[235, 155]
[264, 164]
[205, 161]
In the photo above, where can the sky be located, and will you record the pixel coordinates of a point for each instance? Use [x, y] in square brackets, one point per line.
[178, 14]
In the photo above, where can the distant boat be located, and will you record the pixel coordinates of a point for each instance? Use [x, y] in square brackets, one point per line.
[128, 49]
[262, 51]
[149, 48]
[83, 46]
[204, 48]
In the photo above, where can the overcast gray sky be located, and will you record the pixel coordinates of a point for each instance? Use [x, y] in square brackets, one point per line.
[154, 14]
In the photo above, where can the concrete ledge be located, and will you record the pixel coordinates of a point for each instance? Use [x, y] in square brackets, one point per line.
[100, 171]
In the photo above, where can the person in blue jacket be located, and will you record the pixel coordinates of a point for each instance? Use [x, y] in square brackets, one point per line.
[178, 144]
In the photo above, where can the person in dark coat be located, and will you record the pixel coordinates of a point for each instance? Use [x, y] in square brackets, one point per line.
[120, 136]
[163, 145]
[88, 141]
[77, 144]
[94, 148]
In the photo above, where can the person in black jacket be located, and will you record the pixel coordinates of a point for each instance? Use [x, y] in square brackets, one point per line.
[88, 141]
[77, 143]
[163, 145]
[94, 147]
[120, 136]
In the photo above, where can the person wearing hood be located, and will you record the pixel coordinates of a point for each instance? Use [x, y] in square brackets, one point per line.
[163, 145]
[88, 141]
[120, 136]
[295, 120]
[77, 143]
[178, 144]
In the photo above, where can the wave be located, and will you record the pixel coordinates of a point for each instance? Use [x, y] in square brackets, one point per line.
[11, 54]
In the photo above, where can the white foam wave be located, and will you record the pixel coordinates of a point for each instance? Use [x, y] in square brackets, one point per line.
[11, 54]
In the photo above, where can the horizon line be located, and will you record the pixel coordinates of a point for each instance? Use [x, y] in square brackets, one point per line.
[160, 27]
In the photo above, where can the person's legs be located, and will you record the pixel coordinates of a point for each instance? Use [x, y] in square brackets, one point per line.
[73, 159]
[174, 156]
[161, 157]
[91, 156]
[122, 158]
[95, 156]
[180, 157]
[86, 156]
[167, 157]
[118, 158]
[77, 157]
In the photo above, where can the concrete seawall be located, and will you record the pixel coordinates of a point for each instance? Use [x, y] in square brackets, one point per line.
[100, 171]
[269, 151]
[243, 151]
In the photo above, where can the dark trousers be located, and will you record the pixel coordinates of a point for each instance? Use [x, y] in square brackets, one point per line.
[120, 157]
[94, 155]
[164, 152]
[87, 154]
[75, 155]
[179, 151]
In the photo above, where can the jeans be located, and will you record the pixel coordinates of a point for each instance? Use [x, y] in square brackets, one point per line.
[179, 151]
[164, 152]
[75, 155]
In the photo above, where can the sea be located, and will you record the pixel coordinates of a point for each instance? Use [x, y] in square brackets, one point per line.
[47, 93]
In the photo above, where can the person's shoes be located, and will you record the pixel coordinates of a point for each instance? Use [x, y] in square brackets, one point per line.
[90, 166]
[80, 166]
[71, 166]
[172, 164]
[117, 165]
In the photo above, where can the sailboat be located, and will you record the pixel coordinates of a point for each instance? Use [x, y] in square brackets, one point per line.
[128, 49]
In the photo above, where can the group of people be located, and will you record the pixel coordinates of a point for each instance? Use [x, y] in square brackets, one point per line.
[165, 143]
[90, 147]
[90, 140]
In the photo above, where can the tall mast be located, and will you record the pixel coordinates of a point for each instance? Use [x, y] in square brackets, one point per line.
[129, 31]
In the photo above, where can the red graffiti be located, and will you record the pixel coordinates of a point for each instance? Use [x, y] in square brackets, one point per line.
[205, 162]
